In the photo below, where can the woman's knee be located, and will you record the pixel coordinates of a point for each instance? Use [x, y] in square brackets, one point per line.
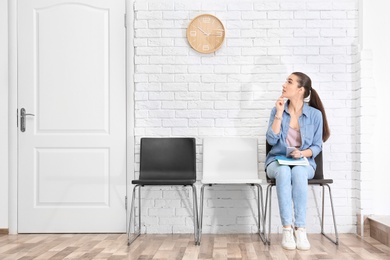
[301, 173]
[283, 173]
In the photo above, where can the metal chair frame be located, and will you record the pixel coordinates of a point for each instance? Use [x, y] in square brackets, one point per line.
[260, 208]
[137, 232]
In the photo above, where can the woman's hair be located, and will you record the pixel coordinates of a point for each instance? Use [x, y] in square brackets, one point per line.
[315, 101]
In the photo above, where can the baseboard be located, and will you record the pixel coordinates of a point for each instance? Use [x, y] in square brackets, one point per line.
[4, 231]
[380, 229]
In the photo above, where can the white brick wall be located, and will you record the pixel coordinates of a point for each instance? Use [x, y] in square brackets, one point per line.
[179, 92]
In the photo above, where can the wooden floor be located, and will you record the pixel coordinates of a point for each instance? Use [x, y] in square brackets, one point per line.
[247, 246]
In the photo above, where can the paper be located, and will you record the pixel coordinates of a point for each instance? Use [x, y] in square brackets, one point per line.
[291, 161]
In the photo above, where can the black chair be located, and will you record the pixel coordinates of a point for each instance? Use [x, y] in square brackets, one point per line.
[318, 180]
[165, 161]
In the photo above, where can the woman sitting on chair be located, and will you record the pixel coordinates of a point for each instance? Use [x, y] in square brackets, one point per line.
[303, 125]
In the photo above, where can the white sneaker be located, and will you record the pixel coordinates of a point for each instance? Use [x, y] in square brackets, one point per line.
[302, 242]
[288, 241]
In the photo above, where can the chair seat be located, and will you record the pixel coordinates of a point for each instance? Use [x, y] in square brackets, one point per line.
[232, 181]
[310, 182]
[320, 181]
[163, 182]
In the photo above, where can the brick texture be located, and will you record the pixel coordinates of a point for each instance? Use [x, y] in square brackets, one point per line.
[179, 92]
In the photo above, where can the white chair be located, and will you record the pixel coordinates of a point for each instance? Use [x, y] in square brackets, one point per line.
[231, 161]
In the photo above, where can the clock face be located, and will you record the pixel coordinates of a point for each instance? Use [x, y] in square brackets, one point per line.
[205, 33]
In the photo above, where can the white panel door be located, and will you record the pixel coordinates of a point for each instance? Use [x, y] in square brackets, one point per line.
[72, 149]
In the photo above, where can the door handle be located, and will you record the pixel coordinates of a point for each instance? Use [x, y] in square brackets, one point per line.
[23, 115]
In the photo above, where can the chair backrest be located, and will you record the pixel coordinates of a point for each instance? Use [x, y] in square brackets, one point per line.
[319, 173]
[230, 158]
[168, 158]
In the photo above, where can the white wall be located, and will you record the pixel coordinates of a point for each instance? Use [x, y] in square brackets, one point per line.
[3, 114]
[179, 92]
[375, 46]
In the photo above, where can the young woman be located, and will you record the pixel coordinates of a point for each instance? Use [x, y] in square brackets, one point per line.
[298, 122]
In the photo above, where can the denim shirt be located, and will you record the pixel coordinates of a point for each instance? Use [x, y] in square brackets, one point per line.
[310, 124]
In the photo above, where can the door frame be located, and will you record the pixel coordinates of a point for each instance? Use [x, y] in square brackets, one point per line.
[13, 105]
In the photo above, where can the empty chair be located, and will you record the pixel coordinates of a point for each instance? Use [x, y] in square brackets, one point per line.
[231, 161]
[165, 161]
[318, 180]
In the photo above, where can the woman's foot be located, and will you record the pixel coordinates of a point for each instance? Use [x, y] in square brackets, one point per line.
[302, 241]
[288, 241]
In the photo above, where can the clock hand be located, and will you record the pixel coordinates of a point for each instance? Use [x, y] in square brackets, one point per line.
[205, 33]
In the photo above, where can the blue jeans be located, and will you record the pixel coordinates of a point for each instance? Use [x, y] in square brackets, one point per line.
[291, 188]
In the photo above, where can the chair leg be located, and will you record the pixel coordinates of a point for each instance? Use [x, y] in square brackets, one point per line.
[260, 213]
[201, 214]
[195, 213]
[268, 206]
[336, 239]
[132, 211]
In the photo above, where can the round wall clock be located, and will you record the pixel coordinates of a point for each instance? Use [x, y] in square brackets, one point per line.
[205, 33]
